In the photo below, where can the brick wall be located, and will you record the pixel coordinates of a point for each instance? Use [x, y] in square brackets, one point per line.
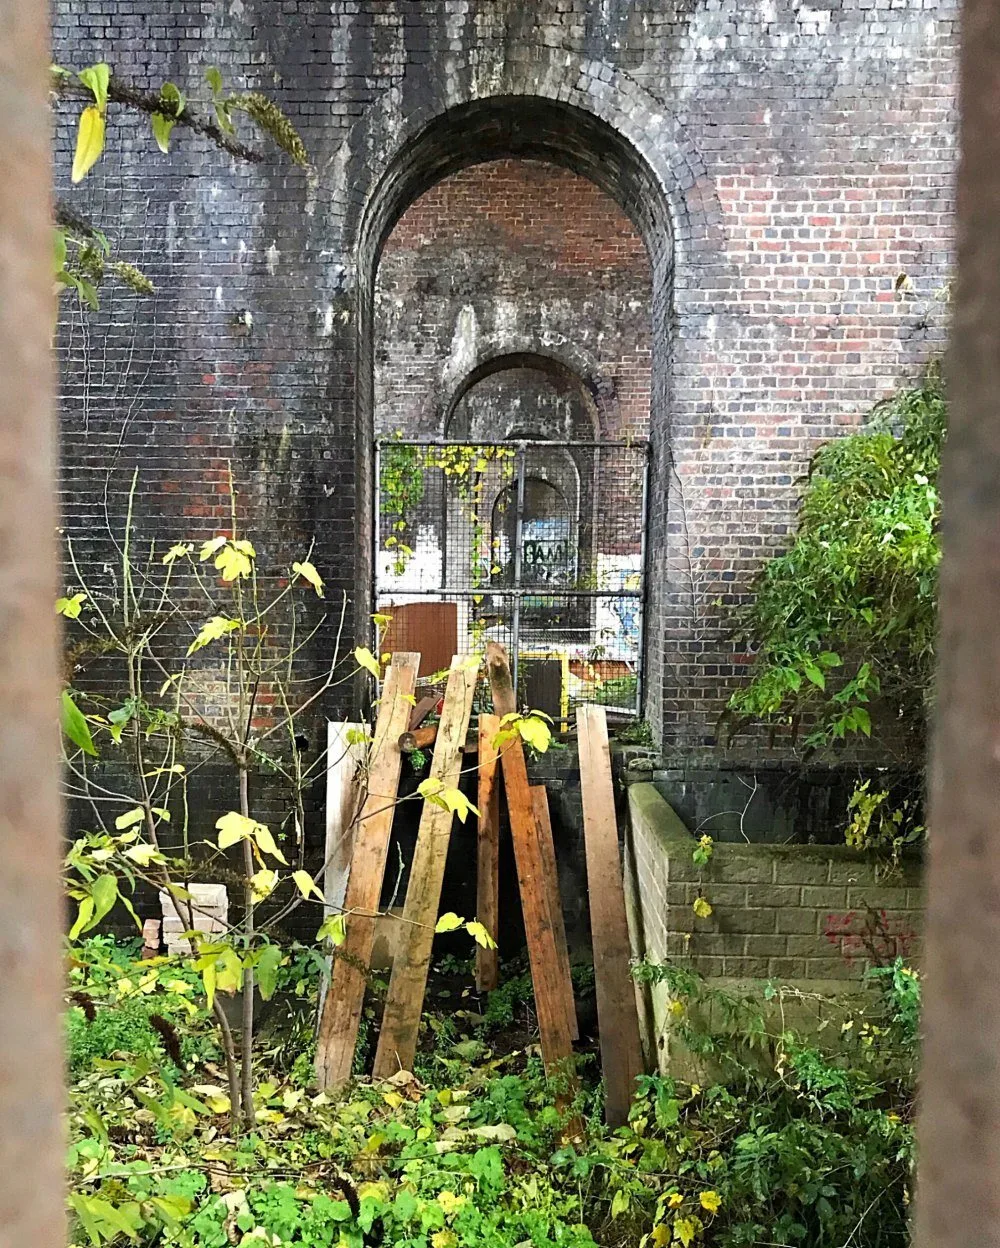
[783, 163]
[794, 913]
[503, 259]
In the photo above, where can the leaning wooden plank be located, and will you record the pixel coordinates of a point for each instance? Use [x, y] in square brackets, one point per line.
[397, 1042]
[546, 975]
[621, 1050]
[338, 1028]
[345, 756]
[546, 842]
[488, 854]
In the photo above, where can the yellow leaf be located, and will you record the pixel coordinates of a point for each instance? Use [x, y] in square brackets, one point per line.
[701, 908]
[661, 1235]
[710, 1201]
[368, 661]
[334, 928]
[675, 1200]
[685, 1229]
[89, 142]
[233, 562]
[263, 883]
[309, 573]
[480, 935]
[306, 884]
[392, 1099]
[70, 607]
[444, 1239]
[233, 828]
[209, 548]
[142, 854]
[266, 843]
[180, 551]
[130, 817]
[216, 627]
[449, 922]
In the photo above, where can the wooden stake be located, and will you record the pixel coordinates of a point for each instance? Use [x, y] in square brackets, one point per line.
[397, 1042]
[621, 1050]
[338, 1029]
[488, 857]
[540, 804]
[546, 975]
[344, 760]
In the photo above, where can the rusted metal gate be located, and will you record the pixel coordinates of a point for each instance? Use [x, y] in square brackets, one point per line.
[537, 544]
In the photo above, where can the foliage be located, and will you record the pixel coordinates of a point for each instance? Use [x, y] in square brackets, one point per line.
[797, 1143]
[846, 618]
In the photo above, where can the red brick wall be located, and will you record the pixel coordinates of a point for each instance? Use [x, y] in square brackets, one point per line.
[507, 257]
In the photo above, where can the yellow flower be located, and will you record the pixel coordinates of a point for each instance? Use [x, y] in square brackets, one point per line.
[449, 1202]
[710, 1201]
[675, 1200]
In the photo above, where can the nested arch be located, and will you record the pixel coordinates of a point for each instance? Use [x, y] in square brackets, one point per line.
[593, 399]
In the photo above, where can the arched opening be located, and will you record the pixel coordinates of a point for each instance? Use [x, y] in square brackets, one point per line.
[507, 380]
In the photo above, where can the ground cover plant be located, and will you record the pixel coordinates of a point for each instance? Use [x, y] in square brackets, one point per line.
[793, 1141]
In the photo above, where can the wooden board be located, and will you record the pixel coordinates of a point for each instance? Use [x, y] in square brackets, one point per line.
[621, 1050]
[488, 852]
[338, 1027]
[344, 760]
[397, 1041]
[546, 974]
[540, 802]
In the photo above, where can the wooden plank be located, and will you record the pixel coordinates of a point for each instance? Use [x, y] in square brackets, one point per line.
[422, 710]
[338, 1028]
[344, 760]
[621, 1050]
[546, 975]
[397, 1041]
[546, 842]
[488, 852]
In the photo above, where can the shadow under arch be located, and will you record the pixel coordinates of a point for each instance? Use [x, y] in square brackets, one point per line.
[526, 126]
[592, 390]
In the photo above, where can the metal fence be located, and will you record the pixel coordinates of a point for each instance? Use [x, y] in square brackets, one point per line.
[539, 545]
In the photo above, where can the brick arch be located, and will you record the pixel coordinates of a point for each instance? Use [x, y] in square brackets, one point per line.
[566, 365]
[540, 103]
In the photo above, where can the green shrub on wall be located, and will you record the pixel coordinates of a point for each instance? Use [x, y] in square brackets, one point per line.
[843, 625]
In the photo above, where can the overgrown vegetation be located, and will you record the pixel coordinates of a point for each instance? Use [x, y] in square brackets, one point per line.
[845, 622]
[793, 1141]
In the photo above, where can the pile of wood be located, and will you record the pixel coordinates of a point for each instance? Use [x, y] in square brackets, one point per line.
[356, 868]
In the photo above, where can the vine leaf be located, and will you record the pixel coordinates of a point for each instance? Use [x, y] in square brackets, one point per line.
[74, 725]
[89, 142]
[308, 572]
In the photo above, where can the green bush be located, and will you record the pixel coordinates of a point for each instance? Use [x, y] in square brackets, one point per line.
[846, 620]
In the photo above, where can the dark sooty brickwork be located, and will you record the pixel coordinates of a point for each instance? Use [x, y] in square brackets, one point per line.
[782, 162]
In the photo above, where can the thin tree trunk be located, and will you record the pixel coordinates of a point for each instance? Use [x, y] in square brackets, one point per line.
[249, 1117]
[958, 1193]
[32, 915]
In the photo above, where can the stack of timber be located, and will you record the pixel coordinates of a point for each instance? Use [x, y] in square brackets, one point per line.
[359, 819]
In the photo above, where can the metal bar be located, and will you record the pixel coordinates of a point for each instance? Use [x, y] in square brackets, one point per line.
[515, 633]
[376, 532]
[639, 445]
[640, 667]
[535, 592]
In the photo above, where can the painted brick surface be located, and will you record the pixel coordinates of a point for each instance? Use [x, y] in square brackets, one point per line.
[784, 163]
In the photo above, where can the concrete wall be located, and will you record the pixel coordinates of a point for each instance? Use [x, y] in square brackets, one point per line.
[783, 163]
[795, 914]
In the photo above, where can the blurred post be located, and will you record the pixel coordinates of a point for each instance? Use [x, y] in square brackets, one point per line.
[31, 1081]
[958, 1189]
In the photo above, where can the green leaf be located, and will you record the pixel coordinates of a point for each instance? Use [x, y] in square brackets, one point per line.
[214, 79]
[174, 96]
[333, 929]
[268, 961]
[89, 145]
[75, 726]
[368, 661]
[58, 251]
[105, 894]
[83, 917]
[162, 126]
[814, 674]
[97, 77]
[862, 720]
[70, 607]
[448, 922]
